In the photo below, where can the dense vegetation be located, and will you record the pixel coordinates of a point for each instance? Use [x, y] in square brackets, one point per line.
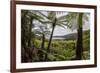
[36, 47]
[65, 49]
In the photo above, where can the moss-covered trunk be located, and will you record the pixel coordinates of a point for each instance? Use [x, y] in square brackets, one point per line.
[79, 49]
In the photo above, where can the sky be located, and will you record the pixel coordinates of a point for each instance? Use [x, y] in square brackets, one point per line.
[59, 31]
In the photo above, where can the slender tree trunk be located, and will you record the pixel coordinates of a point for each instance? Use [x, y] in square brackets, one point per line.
[48, 48]
[29, 40]
[79, 49]
[43, 41]
[41, 57]
[30, 33]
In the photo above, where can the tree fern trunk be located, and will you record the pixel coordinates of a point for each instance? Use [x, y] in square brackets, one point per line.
[30, 33]
[29, 40]
[79, 49]
[42, 48]
[48, 48]
[43, 41]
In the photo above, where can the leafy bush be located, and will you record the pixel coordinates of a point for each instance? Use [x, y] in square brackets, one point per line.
[37, 43]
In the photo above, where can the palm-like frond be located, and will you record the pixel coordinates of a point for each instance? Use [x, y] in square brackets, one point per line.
[51, 15]
[42, 14]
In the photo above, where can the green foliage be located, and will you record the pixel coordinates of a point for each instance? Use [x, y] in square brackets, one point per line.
[86, 55]
[61, 50]
[86, 41]
[37, 43]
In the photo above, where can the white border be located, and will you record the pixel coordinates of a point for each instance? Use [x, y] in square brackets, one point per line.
[20, 65]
